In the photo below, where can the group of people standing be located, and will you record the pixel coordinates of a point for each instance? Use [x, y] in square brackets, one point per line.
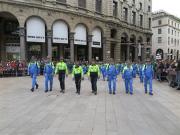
[109, 72]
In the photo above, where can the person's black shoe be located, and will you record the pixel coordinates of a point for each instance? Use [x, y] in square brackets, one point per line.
[178, 88]
[114, 93]
[146, 92]
[110, 92]
[50, 90]
[32, 90]
[46, 91]
[37, 86]
[151, 94]
[61, 91]
[95, 93]
[131, 93]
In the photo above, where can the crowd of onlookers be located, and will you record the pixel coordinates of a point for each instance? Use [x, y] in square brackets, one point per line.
[164, 70]
[168, 70]
[13, 68]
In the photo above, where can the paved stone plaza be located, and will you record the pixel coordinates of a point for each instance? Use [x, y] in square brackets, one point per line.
[25, 113]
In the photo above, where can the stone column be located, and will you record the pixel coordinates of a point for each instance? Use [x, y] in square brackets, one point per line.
[108, 50]
[71, 39]
[22, 43]
[104, 48]
[117, 52]
[143, 53]
[49, 36]
[128, 51]
[136, 52]
[90, 48]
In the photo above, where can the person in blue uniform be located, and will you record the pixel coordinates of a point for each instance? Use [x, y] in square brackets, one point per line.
[148, 77]
[128, 78]
[103, 71]
[112, 73]
[141, 72]
[49, 74]
[134, 66]
[34, 71]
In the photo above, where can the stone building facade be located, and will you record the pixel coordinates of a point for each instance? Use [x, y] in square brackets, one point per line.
[76, 29]
[166, 35]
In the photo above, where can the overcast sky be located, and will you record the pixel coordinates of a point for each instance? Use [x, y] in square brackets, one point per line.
[171, 6]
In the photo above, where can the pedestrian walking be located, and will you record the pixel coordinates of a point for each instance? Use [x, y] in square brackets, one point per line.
[34, 71]
[49, 70]
[62, 71]
[128, 78]
[148, 77]
[77, 74]
[112, 73]
[94, 74]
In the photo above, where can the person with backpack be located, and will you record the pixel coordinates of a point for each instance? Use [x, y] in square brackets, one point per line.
[49, 74]
[34, 71]
[148, 77]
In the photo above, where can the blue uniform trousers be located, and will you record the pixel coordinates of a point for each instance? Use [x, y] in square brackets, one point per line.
[146, 82]
[112, 84]
[34, 80]
[141, 78]
[129, 85]
[48, 79]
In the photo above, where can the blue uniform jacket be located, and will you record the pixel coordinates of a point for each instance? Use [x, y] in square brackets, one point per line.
[103, 69]
[128, 73]
[141, 72]
[148, 71]
[49, 69]
[33, 69]
[112, 72]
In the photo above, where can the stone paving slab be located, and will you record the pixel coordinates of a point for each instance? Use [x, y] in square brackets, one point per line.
[25, 113]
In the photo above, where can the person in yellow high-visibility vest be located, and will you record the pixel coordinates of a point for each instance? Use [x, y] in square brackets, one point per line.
[94, 74]
[62, 71]
[77, 74]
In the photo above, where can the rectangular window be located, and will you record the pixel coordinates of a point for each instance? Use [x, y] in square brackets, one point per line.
[61, 1]
[159, 22]
[115, 8]
[140, 6]
[149, 23]
[168, 30]
[141, 20]
[99, 6]
[82, 3]
[159, 39]
[159, 31]
[149, 8]
[125, 14]
[134, 18]
[168, 40]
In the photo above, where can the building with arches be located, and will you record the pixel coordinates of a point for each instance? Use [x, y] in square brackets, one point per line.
[166, 36]
[75, 29]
